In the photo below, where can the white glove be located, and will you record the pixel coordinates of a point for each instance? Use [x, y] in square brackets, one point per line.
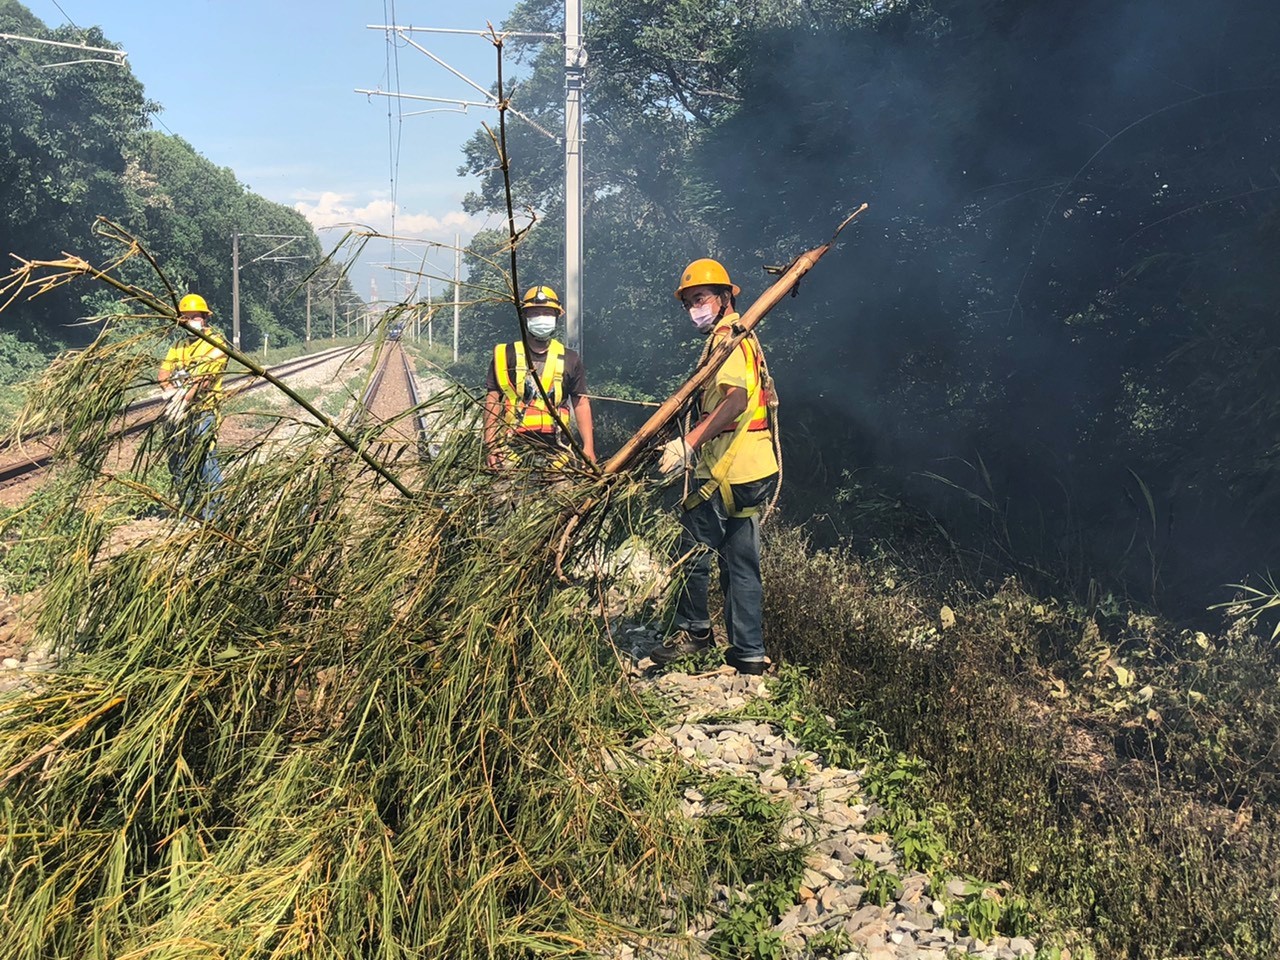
[676, 454]
[177, 407]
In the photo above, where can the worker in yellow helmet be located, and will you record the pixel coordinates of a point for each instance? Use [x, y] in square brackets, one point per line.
[736, 471]
[518, 425]
[191, 377]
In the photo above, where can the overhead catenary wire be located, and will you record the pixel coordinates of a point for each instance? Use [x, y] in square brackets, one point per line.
[65, 14]
[395, 134]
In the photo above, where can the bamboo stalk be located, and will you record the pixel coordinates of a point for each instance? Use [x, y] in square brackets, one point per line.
[746, 323]
[513, 240]
[75, 266]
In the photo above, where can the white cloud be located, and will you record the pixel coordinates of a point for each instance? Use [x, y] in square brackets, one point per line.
[329, 209]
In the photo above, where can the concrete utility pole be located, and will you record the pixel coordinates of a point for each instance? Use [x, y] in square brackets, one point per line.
[333, 312]
[457, 290]
[235, 290]
[575, 62]
[308, 311]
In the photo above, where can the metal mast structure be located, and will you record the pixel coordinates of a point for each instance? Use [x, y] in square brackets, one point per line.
[106, 55]
[269, 256]
[575, 61]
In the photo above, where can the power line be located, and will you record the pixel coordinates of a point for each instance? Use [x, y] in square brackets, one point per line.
[395, 132]
[155, 115]
[65, 14]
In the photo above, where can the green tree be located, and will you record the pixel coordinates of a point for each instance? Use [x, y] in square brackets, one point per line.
[75, 145]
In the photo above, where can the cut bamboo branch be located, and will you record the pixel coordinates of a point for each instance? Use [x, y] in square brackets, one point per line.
[71, 267]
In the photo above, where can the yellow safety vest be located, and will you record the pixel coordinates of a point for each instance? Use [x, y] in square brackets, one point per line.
[523, 406]
[757, 412]
[753, 419]
[198, 358]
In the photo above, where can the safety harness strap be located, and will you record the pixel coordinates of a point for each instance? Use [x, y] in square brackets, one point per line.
[529, 414]
[719, 479]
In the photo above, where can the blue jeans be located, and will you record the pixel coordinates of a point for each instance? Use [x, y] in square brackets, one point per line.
[735, 541]
[193, 462]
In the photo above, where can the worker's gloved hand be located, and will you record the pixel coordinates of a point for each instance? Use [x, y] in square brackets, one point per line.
[176, 409]
[676, 455]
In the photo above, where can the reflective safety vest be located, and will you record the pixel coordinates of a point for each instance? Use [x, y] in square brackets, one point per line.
[752, 420]
[523, 406]
[757, 412]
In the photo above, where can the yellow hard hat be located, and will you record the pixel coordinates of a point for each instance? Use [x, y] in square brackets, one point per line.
[706, 272]
[542, 297]
[192, 303]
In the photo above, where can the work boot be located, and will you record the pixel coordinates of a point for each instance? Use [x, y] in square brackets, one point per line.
[752, 668]
[681, 643]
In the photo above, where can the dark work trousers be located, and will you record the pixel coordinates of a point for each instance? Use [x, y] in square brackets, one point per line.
[735, 541]
[193, 462]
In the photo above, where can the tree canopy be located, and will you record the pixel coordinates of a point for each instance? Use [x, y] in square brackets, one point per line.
[76, 144]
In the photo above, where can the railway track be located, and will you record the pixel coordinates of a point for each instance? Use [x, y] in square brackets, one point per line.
[389, 404]
[24, 459]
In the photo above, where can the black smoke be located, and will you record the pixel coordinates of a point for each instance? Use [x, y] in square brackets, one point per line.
[1064, 295]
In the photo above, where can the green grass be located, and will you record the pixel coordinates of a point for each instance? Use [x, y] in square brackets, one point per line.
[12, 397]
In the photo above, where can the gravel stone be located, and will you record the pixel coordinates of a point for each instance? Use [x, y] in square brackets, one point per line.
[830, 816]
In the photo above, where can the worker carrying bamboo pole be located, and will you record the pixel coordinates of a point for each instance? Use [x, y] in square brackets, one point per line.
[735, 474]
[518, 425]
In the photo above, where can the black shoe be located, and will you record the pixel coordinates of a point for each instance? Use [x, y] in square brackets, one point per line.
[682, 643]
[752, 668]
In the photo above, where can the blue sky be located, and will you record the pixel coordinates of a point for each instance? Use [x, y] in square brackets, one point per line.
[267, 88]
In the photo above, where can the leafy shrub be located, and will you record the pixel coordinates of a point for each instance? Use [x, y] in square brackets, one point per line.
[1120, 774]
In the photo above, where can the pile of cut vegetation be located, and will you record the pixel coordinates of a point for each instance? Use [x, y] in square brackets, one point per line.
[332, 721]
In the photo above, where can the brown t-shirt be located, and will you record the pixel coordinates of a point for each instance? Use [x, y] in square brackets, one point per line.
[575, 377]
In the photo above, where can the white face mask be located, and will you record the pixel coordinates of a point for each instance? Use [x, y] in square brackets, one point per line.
[703, 315]
[541, 327]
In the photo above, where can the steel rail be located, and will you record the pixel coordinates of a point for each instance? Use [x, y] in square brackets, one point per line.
[144, 413]
[419, 420]
[365, 410]
[371, 391]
